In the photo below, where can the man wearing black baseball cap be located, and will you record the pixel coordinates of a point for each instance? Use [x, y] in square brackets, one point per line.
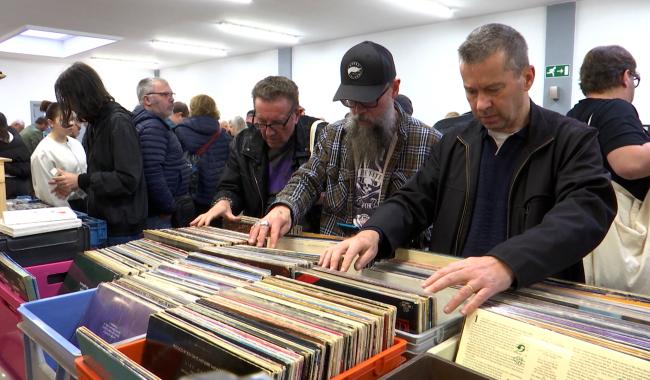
[359, 161]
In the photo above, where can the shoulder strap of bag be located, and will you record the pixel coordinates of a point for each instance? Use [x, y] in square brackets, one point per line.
[312, 134]
[205, 146]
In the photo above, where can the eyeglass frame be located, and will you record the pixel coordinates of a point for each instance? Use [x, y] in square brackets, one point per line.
[273, 125]
[353, 103]
[166, 94]
[636, 77]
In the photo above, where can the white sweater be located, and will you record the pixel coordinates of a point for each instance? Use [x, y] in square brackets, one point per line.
[69, 156]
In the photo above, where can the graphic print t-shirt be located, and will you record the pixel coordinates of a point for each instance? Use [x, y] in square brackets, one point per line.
[367, 192]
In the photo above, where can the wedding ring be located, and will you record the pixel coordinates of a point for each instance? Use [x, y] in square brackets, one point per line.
[470, 288]
[264, 223]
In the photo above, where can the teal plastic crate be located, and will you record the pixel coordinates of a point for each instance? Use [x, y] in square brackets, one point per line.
[97, 227]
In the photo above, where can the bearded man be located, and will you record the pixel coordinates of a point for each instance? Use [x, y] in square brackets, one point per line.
[358, 162]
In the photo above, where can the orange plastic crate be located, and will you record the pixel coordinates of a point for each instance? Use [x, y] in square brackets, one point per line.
[83, 371]
[370, 369]
[133, 350]
[377, 365]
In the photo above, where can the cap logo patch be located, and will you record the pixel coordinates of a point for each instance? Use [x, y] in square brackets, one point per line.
[355, 70]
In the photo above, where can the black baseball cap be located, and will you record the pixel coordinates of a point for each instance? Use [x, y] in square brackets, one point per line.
[365, 70]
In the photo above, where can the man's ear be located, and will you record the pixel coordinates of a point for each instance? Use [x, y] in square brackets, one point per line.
[528, 75]
[395, 87]
[624, 82]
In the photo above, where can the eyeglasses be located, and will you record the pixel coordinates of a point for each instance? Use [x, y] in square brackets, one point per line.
[164, 94]
[274, 125]
[636, 78]
[353, 103]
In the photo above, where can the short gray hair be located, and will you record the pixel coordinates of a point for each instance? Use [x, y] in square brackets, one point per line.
[273, 87]
[488, 39]
[237, 124]
[145, 86]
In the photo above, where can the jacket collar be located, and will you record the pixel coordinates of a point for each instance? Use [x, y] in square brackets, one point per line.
[535, 134]
[255, 147]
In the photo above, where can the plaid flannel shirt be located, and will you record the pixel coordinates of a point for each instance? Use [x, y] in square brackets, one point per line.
[331, 169]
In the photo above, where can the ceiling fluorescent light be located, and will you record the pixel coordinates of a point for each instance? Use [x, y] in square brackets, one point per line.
[257, 33]
[36, 40]
[182, 47]
[430, 7]
[128, 61]
[240, 1]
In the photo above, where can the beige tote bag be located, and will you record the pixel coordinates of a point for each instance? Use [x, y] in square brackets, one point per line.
[622, 260]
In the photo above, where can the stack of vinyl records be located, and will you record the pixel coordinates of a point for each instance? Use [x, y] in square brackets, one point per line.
[400, 274]
[416, 310]
[197, 238]
[95, 266]
[246, 222]
[278, 261]
[17, 223]
[562, 330]
[406, 268]
[183, 282]
[16, 278]
[281, 327]
[120, 309]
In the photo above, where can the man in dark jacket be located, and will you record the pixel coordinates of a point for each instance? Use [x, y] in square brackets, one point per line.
[519, 191]
[262, 159]
[165, 170]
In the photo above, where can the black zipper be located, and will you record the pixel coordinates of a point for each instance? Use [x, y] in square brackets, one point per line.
[465, 205]
[259, 192]
[514, 179]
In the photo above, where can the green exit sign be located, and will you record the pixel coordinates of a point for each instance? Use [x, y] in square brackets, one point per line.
[557, 71]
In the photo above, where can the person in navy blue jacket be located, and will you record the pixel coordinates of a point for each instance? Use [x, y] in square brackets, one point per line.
[165, 169]
[201, 134]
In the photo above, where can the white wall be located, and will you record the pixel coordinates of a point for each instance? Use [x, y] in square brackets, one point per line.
[621, 23]
[228, 80]
[426, 60]
[32, 80]
[121, 81]
[26, 81]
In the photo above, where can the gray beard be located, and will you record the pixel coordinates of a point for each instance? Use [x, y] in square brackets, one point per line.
[369, 143]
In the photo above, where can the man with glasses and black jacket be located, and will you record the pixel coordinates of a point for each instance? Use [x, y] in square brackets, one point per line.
[359, 161]
[263, 158]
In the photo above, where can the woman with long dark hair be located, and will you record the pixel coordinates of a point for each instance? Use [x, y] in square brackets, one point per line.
[114, 181]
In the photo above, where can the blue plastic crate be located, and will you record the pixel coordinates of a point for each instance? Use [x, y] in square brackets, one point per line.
[48, 326]
[98, 232]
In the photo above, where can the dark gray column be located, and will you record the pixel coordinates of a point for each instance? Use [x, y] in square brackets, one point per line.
[560, 32]
[285, 59]
[156, 73]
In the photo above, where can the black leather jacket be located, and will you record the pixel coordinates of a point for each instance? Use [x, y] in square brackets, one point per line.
[245, 178]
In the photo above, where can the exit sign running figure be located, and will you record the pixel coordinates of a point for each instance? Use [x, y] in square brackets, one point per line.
[557, 71]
